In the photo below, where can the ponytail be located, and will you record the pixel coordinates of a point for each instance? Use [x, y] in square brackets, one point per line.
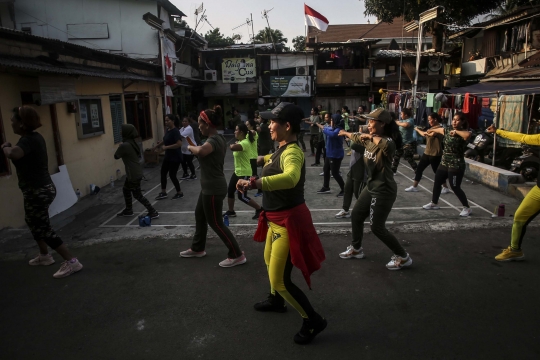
[243, 128]
[392, 130]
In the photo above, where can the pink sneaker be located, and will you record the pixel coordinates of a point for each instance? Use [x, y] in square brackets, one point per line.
[190, 253]
[42, 260]
[233, 262]
[68, 268]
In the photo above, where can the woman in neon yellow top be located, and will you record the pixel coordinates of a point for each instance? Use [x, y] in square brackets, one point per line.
[242, 170]
[530, 206]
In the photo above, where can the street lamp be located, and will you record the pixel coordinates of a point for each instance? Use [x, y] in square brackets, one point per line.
[424, 17]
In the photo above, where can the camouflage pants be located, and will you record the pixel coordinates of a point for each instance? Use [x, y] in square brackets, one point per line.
[134, 187]
[36, 211]
[407, 151]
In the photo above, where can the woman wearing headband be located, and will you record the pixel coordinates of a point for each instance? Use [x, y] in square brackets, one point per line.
[211, 157]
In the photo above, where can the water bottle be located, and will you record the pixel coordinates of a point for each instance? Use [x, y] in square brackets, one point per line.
[112, 181]
[78, 193]
[226, 219]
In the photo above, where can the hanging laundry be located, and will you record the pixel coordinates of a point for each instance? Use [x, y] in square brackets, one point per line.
[429, 100]
[512, 114]
[458, 101]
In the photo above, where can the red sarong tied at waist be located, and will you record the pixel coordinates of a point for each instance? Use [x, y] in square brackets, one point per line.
[306, 249]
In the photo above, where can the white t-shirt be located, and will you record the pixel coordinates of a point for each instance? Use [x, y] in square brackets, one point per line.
[187, 132]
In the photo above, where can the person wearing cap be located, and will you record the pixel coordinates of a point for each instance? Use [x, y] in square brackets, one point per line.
[406, 127]
[334, 153]
[380, 193]
[208, 210]
[314, 130]
[285, 223]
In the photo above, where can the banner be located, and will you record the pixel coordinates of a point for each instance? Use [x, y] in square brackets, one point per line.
[236, 70]
[291, 86]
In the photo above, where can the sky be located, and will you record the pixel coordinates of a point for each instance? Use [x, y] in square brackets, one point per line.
[287, 15]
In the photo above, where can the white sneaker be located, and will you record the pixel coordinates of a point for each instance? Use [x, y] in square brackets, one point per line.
[445, 190]
[42, 260]
[343, 214]
[397, 262]
[190, 253]
[411, 189]
[233, 262]
[351, 253]
[431, 206]
[321, 174]
[465, 212]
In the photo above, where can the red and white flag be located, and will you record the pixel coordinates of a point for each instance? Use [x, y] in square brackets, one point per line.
[314, 18]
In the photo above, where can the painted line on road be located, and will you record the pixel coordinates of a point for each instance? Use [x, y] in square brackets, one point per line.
[472, 202]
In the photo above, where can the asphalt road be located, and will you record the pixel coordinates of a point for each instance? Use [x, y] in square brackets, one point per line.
[138, 300]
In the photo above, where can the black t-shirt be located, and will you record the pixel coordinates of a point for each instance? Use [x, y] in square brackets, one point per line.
[171, 137]
[33, 167]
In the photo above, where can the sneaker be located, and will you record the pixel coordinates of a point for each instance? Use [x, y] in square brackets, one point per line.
[310, 329]
[351, 253]
[341, 193]
[161, 196]
[258, 194]
[153, 215]
[177, 196]
[397, 262]
[349, 153]
[190, 253]
[257, 214]
[321, 174]
[431, 206]
[192, 177]
[274, 303]
[68, 268]
[324, 191]
[465, 212]
[42, 260]
[184, 177]
[411, 189]
[233, 262]
[230, 213]
[510, 254]
[343, 214]
[316, 164]
[125, 213]
[445, 190]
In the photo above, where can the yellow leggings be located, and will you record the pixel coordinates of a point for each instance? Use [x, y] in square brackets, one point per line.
[527, 211]
[278, 262]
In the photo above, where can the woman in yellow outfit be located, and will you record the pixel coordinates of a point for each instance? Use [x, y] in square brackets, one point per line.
[530, 206]
[285, 223]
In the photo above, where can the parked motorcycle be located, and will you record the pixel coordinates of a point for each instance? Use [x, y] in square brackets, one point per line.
[527, 164]
[479, 146]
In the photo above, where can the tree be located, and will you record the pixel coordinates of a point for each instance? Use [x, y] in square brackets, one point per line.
[216, 39]
[182, 24]
[299, 43]
[456, 12]
[268, 35]
[510, 5]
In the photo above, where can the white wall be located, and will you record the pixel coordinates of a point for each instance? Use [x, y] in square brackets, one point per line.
[128, 33]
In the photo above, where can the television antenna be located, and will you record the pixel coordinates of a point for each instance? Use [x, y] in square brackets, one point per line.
[265, 15]
[248, 23]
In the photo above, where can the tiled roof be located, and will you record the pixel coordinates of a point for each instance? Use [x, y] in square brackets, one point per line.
[342, 33]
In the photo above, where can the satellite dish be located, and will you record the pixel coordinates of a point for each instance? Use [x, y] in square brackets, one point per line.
[260, 101]
[435, 65]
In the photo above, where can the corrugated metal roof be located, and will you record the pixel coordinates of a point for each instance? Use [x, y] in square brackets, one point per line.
[268, 46]
[408, 53]
[33, 64]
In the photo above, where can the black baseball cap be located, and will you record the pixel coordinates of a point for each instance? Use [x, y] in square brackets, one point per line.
[284, 111]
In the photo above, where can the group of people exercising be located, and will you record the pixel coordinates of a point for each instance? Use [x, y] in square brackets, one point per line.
[284, 220]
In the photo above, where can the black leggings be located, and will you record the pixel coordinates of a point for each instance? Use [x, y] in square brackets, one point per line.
[332, 165]
[313, 141]
[208, 212]
[170, 168]
[187, 161]
[132, 189]
[321, 150]
[425, 161]
[232, 189]
[253, 163]
[455, 176]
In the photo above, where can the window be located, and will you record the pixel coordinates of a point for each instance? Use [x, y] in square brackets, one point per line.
[117, 116]
[90, 121]
[4, 163]
[138, 114]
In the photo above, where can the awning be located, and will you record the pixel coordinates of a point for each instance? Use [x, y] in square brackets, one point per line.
[489, 89]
